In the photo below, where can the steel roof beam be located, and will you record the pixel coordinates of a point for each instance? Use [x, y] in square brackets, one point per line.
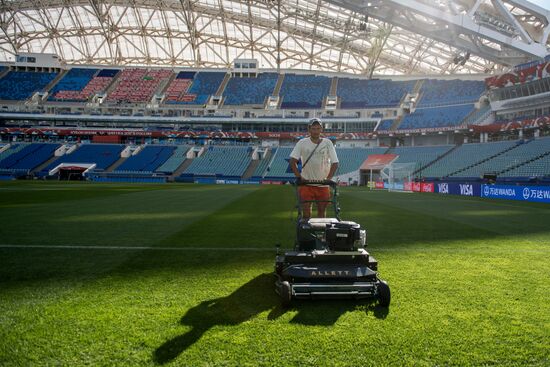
[421, 18]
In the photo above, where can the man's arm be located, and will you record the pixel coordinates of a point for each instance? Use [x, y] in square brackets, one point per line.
[333, 168]
[294, 167]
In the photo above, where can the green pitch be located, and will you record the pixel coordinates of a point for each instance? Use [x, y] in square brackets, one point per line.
[470, 279]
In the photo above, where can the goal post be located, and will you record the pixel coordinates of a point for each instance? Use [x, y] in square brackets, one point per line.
[395, 175]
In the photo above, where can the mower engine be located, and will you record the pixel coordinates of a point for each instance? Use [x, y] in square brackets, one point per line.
[345, 236]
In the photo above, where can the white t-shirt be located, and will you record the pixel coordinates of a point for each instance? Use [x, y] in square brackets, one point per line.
[318, 166]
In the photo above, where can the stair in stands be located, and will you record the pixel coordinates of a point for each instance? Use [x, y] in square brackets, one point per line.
[278, 85]
[59, 76]
[415, 173]
[163, 86]
[4, 72]
[396, 123]
[112, 85]
[222, 86]
[417, 86]
[44, 165]
[251, 168]
[333, 86]
[115, 165]
[186, 163]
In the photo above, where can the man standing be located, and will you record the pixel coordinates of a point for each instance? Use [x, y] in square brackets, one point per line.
[319, 162]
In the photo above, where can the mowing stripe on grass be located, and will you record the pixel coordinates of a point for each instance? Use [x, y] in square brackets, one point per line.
[259, 249]
[137, 248]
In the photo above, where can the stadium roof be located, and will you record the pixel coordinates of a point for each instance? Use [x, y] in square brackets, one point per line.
[362, 37]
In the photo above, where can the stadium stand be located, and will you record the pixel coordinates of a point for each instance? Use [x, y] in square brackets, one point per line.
[147, 160]
[478, 115]
[357, 93]
[446, 92]
[21, 85]
[177, 158]
[539, 167]
[250, 91]
[98, 83]
[29, 157]
[70, 87]
[221, 160]
[260, 171]
[13, 148]
[278, 167]
[421, 156]
[385, 125]
[137, 85]
[436, 117]
[519, 154]
[351, 159]
[464, 156]
[177, 90]
[204, 85]
[304, 91]
[103, 155]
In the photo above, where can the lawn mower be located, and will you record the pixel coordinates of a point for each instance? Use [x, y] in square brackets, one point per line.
[329, 259]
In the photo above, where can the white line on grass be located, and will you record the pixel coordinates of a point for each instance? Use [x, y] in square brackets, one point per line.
[137, 248]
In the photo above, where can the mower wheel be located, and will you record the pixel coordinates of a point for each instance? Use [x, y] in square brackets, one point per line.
[384, 295]
[286, 294]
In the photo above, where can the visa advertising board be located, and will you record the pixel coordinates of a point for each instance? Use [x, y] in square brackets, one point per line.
[452, 188]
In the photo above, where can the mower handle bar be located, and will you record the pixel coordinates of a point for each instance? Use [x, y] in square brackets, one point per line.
[302, 182]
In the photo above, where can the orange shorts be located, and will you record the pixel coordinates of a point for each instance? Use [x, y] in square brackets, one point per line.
[314, 193]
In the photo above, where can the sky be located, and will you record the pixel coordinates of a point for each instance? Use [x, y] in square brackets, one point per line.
[542, 3]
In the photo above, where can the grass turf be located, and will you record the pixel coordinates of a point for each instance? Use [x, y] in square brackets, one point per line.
[469, 280]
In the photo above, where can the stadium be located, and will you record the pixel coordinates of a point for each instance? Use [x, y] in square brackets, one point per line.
[145, 183]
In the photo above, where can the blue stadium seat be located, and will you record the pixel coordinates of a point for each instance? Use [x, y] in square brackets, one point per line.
[220, 160]
[75, 80]
[253, 91]
[260, 171]
[103, 155]
[304, 91]
[204, 85]
[147, 160]
[436, 117]
[351, 159]
[419, 155]
[21, 85]
[446, 92]
[177, 158]
[279, 167]
[464, 156]
[385, 125]
[521, 154]
[30, 157]
[358, 93]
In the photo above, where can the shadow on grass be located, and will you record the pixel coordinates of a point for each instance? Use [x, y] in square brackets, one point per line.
[246, 302]
[327, 312]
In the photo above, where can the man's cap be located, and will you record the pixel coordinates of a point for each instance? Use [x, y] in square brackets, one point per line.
[314, 121]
